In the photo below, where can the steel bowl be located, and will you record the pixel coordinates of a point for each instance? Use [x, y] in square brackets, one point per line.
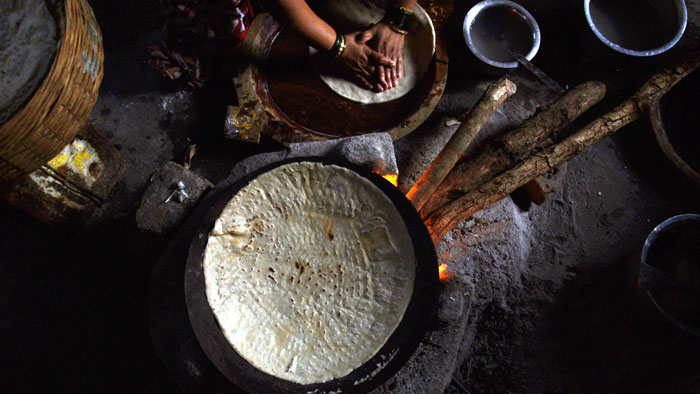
[672, 119]
[478, 9]
[656, 280]
[604, 24]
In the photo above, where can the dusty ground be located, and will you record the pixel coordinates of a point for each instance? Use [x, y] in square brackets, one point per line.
[551, 295]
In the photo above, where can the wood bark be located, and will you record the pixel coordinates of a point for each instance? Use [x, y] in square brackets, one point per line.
[450, 215]
[472, 123]
[507, 150]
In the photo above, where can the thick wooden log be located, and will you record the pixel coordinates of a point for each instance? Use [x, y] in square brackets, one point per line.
[504, 152]
[450, 215]
[472, 123]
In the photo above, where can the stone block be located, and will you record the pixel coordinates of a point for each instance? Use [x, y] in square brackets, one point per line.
[374, 151]
[164, 204]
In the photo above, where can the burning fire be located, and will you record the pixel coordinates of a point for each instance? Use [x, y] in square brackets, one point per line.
[393, 178]
[442, 271]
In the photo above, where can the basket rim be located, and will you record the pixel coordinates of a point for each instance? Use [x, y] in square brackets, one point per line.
[61, 104]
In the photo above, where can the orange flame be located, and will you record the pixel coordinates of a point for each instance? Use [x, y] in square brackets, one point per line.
[442, 272]
[393, 178]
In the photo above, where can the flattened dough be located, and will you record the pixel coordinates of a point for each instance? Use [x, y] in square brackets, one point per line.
[309, 270]
[353, 15]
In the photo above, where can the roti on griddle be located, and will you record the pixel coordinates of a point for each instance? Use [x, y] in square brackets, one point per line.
[309, 270]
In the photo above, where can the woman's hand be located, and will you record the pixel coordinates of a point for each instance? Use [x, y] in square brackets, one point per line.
[362, 64]
[390, 44]
[372, 58]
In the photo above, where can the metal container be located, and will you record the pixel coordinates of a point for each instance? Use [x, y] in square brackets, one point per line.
[482, 37]
[389, 359]
[674, 119]
[670, 270]
[640, 28]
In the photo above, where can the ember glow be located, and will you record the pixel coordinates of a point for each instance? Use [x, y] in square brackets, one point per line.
[442, 271]
[393, 178]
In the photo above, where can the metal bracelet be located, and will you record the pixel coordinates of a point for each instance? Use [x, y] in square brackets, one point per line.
[338, 47]
[342, 47]
[398, 17]
[396, 29]
[406, 10]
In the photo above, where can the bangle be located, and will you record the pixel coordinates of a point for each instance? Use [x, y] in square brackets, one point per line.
[338, 47]
[342, 47]
[399, 18]
[396, 29]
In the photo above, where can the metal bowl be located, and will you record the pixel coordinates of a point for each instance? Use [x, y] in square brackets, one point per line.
[515, 8]
[682, 230]
[667, 147]
[673, 119]
[615, 31]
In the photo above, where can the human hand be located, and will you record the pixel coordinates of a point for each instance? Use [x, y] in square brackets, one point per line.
[390, 44]
[362, 63]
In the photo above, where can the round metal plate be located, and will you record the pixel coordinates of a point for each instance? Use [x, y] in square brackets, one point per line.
[401, 344]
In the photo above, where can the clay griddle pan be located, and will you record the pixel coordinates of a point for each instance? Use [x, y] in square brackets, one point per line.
[279, 76]
[390, 358]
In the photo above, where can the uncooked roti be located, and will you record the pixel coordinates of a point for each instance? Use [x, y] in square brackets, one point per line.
[353, 15]
[309, 270]
[28, 41]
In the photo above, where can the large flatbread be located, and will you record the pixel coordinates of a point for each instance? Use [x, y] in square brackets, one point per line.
[419, 46]
[308, 271]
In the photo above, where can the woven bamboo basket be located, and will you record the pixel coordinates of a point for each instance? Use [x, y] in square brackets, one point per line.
[61, 105]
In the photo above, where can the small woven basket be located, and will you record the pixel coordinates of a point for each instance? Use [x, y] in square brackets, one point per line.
[61, 105]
